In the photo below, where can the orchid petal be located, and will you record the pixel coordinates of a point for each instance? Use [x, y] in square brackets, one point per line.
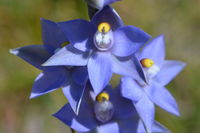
[84, 46]
[99, 70]
[169, 70]
[123, 107]
[49, 81]
[111, 127]
[128, 40]
[82, 123]
[68, 56]
[33, 54]
[162, 97]
[131, 89]
[77, 31]
[154, 50]
[146, 111]
[109, 15]
[126, 68]
[80, 75]
[74, 94]
[52, 36]
[159, 128]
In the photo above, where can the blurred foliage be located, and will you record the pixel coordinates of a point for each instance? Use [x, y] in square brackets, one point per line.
[179, 20]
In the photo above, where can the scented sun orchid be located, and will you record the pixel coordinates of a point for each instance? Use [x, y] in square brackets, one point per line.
[83, 69]
[72, 79]
[105, 113]
[158, 72]
[104, 45]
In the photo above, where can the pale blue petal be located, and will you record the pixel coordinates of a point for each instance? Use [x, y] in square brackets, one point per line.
[169, 70]
[126, 68]
[128, 40]
[146, 111]
[85, 45]
[111, 127]
[68, 56]
[159, 128]
[162, 97]
[99, 70]
[74, 94]
[135, 125]
[155, 50]
[131, 89]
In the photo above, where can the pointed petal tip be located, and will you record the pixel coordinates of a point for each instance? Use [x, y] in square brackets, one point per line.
[183, 64]
[41, 19]
[160, 37]
[33, 95]
[55, 115]
[76, 112]
[14, 51]
[47, 63]
[177, 113]
[97, 91]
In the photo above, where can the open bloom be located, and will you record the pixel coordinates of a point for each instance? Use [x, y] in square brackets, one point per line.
[105, 113]
[158, 73]
[99, 4]
[72, 79]
[103, 45]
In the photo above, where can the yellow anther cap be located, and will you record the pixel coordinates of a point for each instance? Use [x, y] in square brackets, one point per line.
[147, 63]
[103, 97]
[104, 27]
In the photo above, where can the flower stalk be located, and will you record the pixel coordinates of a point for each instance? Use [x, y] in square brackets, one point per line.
[72, 130]
[92, 11]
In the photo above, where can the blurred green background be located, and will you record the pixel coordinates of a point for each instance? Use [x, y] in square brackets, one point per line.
[179, 20]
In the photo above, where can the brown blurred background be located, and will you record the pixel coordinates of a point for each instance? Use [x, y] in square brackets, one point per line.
[179, 20]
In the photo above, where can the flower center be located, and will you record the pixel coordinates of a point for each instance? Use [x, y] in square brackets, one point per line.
[103, 97]
[103, 39]
[152, 72]
[147, 63]
[104, 27]
[150, 68]
[103, 108]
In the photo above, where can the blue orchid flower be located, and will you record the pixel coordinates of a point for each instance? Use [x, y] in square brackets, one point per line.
[72, 79]
[105, 113]
[158, 72]
[103, 45]
[99, 4]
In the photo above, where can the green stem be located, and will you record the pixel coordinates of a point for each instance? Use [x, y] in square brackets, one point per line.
[73, 131]
[91, 11]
